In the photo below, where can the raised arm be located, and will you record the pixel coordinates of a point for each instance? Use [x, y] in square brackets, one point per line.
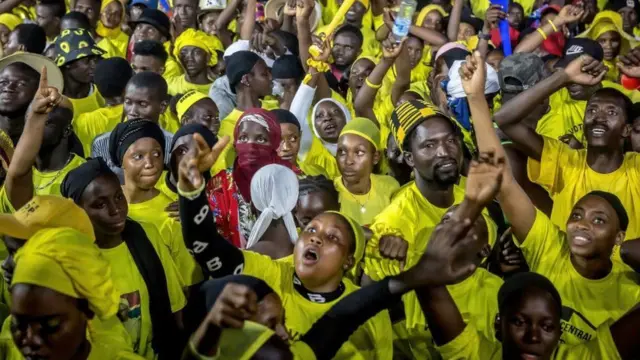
[569, 14]
[584, 70]
[304, 9]
[454, 20]
[491, 18]
[215, 254]
[226, 16]
[249, 23]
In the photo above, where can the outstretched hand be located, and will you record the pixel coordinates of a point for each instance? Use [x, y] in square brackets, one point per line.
[473, 74]
[198, 159]
[484, 178]
[47, 97]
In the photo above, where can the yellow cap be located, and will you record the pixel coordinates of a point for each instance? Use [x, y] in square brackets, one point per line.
[187, 100]
[364, 128]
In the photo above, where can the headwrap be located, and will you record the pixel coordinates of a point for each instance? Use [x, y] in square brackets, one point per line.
[457, 98]
[60, 252]
[128, 132]
[287, 67]
[518, 283]
[364, 128]
[187, 101]
[77, 180]
[274, 192]
[212, 289]
[251, 157]
[616, 204]
[184, 130]
[6, 148]
[426, 10]
[409, 115]
[105, 31]
[75, 44]
[199, 39]
[10, 21]
[606, 21]
[333, 148]
[238, 65]
[286, 117]
[359, 240]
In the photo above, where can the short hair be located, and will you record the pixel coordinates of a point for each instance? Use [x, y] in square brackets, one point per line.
[151, 48]
[80, 18]
[315, 184]
[58, 7]
[32, 37]
[615, 93]
[173, 103]
[108, 84]
[150, 80]
[350, 29]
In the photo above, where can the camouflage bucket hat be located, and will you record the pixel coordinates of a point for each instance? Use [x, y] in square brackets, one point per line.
[75, 44]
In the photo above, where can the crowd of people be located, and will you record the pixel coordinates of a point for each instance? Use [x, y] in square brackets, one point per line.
[297, 179]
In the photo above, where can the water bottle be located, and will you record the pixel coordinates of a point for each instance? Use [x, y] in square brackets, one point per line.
[403, 19]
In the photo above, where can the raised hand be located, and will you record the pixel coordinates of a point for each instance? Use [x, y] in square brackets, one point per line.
[473, 74]
[629, 64]
[510, 257]
[569, 14]
[492, 16]
[325, 45]
[304, 8]
[290, 8]
[585, 70]
[391, 49]
[47, 97]
[198, 159]
[484, 178]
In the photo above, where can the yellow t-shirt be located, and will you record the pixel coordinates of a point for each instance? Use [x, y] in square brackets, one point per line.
[564, 173]
[92, 102]
[171, 67]
[5, 204]
[319, 156]
[152, 212]
[48, 183]
[180, 85]
[169, 121]
[471, 345]
[565, 117]
[89, 125]
[134, 296]
[586, 304]
[363, 208]
[370, 341]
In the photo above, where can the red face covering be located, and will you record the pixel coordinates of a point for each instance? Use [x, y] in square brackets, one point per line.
[252, 157]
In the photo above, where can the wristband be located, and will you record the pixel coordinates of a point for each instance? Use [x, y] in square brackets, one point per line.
[484, 36]
[192, 195]
[553, 26]
[318, 65]
[371, 85]
[544, 36]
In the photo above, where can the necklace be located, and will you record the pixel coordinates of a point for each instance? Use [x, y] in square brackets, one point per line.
[42, 187]
[363, 208]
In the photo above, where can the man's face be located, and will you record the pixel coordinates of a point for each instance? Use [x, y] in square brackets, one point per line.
[90, 8]
[629, 19]
[17, 88]
[143, 102]
[140, 63]
[605, 121]
[148, 32]
[82, 70]
[46, 20]
[346, 48]
[184, 12]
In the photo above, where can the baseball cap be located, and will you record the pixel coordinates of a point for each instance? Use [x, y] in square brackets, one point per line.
[155, 18]
[150, 4]
[519, 72]
[45, 212]
[238, 65]
[468, 17]
[36, 62]
[576, 47]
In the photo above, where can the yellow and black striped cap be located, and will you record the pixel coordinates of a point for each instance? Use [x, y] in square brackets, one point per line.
[410, 114]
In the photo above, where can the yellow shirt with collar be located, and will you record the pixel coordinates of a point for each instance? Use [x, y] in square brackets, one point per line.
[48, 183]
[152, 212]
[586, 304]
[93, 101]
[363, 208]
[89, 125]
[564, 173]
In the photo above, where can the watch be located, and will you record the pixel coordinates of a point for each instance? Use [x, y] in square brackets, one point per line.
[484, 36]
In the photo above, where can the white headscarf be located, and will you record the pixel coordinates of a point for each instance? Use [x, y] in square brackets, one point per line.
[333, 148]
[274, 192]
[454, 86]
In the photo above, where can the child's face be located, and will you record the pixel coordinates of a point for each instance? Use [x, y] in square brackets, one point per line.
[515, 16]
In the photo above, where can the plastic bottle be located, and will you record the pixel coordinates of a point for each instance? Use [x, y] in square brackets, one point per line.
[403, 19]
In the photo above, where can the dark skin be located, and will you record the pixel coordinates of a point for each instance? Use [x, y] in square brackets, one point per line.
[629, 19]
[253, 133]
[254, 86]
[195, 60]
[48, 324]
[47, 20]
[635, 135]
[515, 16]
[143, 163]
[312, 204]
[106, 205]
[78, 76]
[290, 87]
[290, 143]
[90, 8]
[204, 112]
[356, 158]
[346, 48]
[144, 31]
[275, 242]
[143, 102]
[185, 14]
[610, 42]
[329, 120]
[4, 34]
[399, 169]
[359, 72]
[8, 264]
[141, 63]
[54, 153]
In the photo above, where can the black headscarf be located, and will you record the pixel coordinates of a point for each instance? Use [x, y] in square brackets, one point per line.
[128, 132]
[188, 129]
[145, 257]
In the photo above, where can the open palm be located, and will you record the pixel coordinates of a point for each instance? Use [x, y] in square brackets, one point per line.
[485, 178]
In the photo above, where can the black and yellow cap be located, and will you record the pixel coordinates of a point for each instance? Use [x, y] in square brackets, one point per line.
[75, 44]
[409, 115]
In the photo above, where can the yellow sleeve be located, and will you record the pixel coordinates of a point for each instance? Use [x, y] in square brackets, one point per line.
[319, 156]
[375, 266]
[190, 272]
[602, 347]
[171, 68]
[267, 269]
[548, 171]
[8, 349]
[544, 245]
[5, 204]
[470, 345]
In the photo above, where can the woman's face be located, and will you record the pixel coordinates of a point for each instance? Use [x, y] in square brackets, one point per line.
[465, 31]
[46, 324]
[359, 72]
[433, 21]
[415, 48]
[251, 132]
[324, 250]
[111, 16]
[106, 206]
[271, 314]
[143, 163]
[313, 204]
[593, 228]
[329, 121]
[356, 158]
[208, 22]
[530, 326]
[204, 112]
[610, 42]
[515, 17]
[194, 60]
[290, 143]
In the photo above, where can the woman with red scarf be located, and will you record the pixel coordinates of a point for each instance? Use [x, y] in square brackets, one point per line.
[257, 137]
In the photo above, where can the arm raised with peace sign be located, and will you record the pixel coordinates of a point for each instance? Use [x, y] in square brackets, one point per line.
[199, 159]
